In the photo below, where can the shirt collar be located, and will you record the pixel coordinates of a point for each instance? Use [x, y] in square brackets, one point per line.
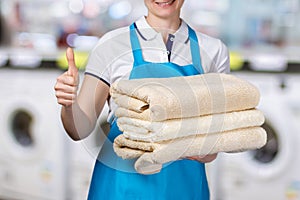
[148, 33]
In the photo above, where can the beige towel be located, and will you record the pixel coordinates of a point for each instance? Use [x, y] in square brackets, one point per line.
[136, 129]
[158, 99]
[151, 156]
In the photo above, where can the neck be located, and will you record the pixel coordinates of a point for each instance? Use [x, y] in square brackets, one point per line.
[164, 26]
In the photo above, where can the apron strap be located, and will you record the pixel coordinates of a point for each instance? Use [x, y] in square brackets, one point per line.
[135, 46]
[195, 51]
[194, 47]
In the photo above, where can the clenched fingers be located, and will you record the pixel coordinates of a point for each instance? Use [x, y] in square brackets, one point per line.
[66, 89]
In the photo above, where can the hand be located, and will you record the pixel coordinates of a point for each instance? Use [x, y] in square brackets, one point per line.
[67, 84]
[204, 159]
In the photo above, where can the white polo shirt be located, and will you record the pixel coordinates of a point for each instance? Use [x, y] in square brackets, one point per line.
[112, 58]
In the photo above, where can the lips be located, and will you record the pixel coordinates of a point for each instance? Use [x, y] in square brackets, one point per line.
[165, 3]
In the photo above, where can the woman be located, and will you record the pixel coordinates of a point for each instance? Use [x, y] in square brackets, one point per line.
[158, 45]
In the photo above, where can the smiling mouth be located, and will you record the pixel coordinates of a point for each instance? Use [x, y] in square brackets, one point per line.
[165, 3]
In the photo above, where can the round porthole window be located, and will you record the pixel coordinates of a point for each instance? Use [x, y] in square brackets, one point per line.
[21, 128]
[268, 153]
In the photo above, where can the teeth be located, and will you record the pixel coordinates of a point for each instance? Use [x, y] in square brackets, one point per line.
[169, 2]
[165, 3]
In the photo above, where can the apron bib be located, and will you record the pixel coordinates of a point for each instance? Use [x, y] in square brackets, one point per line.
[114, 178]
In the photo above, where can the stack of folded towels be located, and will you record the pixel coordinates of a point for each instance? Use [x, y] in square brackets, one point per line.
[167, 119]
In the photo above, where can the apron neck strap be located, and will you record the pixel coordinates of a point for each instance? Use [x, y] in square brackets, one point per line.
[135, 46]
[195, 51]
[194, 47]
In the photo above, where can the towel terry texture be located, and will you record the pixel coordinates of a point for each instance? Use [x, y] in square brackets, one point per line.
[137, 129]
[159, 99]
[166, 119]
[151, 156]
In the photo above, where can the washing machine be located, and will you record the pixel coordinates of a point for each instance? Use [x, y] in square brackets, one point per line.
[33, 145]
[271, 172]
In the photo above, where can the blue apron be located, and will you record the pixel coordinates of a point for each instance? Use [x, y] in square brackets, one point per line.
[114, 178]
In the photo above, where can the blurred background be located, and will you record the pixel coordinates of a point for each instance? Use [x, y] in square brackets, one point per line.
[38, 161]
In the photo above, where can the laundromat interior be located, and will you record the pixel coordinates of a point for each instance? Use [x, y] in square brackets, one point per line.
[38, 161]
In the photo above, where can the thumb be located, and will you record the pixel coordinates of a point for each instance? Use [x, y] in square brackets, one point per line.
[72, 70]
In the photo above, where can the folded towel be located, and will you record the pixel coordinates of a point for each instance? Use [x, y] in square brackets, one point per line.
[159, 99]
[136, 129]
[151, 156]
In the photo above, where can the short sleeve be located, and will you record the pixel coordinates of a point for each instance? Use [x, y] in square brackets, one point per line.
[223, 59]
[111, 59]
[97, 64]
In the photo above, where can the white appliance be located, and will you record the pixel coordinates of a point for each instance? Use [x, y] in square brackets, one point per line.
[273, 171]
[32, 142]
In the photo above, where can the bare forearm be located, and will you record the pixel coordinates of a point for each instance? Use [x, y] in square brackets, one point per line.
[79, 111]
[76, 122]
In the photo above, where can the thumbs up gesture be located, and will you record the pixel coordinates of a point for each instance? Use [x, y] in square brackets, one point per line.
[72, 69]
[67, 84]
